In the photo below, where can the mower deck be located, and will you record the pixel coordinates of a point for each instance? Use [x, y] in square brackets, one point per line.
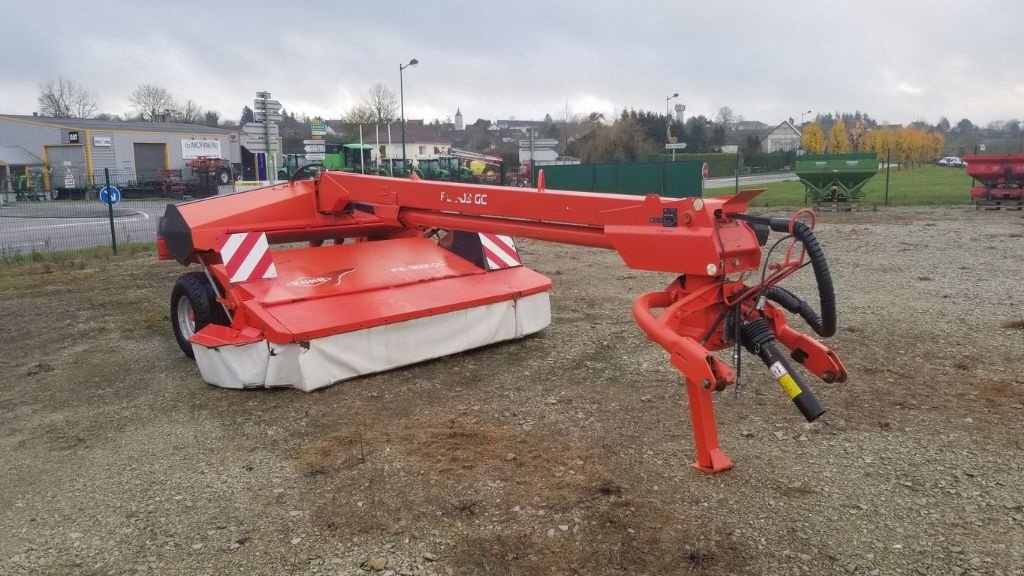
[337, 312]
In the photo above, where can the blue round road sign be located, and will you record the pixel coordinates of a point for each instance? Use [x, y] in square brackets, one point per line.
[110, 195]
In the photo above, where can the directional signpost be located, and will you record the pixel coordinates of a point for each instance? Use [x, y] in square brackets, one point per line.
[315, 147]
[262, 137]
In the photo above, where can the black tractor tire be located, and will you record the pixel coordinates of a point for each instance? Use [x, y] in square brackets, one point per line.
[193, 290]
[223, 177]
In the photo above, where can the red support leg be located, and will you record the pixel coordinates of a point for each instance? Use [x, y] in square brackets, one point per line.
[710, 458]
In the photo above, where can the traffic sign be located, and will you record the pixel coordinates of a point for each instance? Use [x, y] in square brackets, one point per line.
[315, 127]
[110, 195]
[314, 156]
[262, 116]
[267, 105]
[315, 148]
[260, 129]
[259, 144]
[319, 132]
[676, 146]
[69, 178]
[704, 171]
[319, 141]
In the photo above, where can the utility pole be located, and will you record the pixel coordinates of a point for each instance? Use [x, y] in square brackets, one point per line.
[401, 92]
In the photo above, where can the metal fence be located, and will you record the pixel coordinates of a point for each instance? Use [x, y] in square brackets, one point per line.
[46, 225]
[61, 210]
[75, 183]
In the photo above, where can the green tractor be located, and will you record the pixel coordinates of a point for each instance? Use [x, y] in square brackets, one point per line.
[431, 169]
[348, 157]
[290, 163]
[456, 170]
[395, 167]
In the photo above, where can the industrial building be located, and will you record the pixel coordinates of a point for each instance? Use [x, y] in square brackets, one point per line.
[74, 152]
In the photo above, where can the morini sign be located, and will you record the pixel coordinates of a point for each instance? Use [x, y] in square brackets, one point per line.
[196, 148]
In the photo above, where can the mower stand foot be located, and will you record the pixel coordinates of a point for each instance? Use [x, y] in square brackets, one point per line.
[719, 463]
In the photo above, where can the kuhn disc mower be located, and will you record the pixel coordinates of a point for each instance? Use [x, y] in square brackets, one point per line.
[378, 273]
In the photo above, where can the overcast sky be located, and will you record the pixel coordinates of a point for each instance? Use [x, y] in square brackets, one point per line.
[899, 60]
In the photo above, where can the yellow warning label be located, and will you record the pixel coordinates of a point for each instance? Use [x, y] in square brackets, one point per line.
[789, 385]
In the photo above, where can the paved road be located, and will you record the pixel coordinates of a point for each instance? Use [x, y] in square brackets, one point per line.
[748, 181]
[60, 225]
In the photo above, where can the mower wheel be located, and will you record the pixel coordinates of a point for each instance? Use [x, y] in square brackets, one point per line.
[224, 177]
[194, 305]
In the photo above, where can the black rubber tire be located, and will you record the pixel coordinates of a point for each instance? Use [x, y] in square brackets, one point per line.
[195, 286]
[223, 177]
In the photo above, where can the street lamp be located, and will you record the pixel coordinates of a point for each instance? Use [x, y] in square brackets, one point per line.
[802, 114]
[401, 92]
[668, 118]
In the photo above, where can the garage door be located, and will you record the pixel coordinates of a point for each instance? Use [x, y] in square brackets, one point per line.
[149, 159]
[66, 167]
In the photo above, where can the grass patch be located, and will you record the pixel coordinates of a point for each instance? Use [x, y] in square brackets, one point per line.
[65, 257]
[921, 186]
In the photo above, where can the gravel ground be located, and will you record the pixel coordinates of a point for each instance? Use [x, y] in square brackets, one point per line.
[564, 453]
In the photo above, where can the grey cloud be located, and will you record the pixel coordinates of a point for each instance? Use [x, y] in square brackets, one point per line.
[899, 61]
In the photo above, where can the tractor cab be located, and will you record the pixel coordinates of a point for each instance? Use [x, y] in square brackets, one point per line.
[357, 157]
[431, 169]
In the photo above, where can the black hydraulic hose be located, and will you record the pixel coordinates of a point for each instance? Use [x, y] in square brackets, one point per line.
[759, 339]
[825, 324]
[795, 305]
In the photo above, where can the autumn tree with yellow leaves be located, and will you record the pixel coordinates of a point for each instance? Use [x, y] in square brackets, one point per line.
[812, 140]
[838, 139]
[907, 147]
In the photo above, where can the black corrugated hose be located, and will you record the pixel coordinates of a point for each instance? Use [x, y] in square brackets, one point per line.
[825, 324]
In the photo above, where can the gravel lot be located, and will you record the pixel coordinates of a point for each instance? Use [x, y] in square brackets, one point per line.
[565, 453]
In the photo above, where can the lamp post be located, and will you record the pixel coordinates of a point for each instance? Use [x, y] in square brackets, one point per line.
[802, 114]
[668, 118]
[401, 92]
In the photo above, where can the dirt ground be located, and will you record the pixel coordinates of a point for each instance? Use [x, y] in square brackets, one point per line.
[564, 453]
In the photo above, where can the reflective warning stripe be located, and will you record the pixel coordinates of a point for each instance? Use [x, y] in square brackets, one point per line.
[246, 257]
[499, 251]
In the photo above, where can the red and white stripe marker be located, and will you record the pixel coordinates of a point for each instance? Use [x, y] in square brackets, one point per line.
[247, 257]
[499, 251]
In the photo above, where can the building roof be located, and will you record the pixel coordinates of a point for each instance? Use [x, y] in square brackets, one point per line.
[18, 156]
[785, 124]
[124, 126]
[744, 125]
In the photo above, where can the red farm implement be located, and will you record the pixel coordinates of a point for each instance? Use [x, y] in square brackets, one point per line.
[1000, 180]
[391, 272]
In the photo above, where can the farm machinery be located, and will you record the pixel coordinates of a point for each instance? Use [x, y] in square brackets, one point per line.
[1001, 180]
[835, 180]
[381, 273]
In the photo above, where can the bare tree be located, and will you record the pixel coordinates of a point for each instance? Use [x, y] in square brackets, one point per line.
[381, 102]
[152, 103]
[63, 98]
[190, 113]
[725, 116]
[361, 114]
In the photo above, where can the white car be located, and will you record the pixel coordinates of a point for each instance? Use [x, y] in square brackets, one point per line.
[953, 161]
